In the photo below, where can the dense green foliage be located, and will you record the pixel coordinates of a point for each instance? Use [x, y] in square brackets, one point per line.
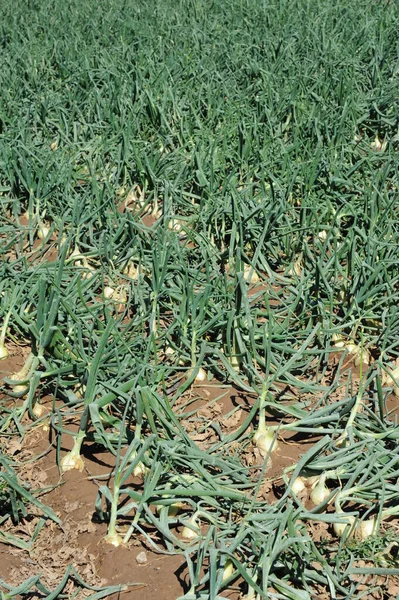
[261, 134]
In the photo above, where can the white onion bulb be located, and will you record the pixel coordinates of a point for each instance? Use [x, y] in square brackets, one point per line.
[200, 376]
[140, 470]
[114, 539]
[339, 528]
[320, 491]
[42, 232]
[72, 461]
[250, 274]
[264, 440]
[38, 410]
[174, 225]
[298, 485]
[367, 528]
[187, 532]
[228, 570]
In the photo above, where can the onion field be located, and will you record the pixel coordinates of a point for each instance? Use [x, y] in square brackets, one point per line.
[199, 291]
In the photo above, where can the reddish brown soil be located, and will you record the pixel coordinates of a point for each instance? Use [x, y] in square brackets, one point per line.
[14, 361]
[80, 540]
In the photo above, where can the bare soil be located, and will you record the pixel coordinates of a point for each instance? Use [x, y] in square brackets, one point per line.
[80, 539]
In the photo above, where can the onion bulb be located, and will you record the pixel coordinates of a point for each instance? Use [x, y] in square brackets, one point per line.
[367, 528]
[340, 528]
[364, 530]
[250, 275]
[378, 146]
[134, 196]
[228, 570]
[200, 376]
[173, 509]
[264, 440]
[21, 378]
[89, 270]
[311, 481]
[296, 267]
[174, 225]
[42, 231]
[188, 533]
[3, 352]
[20, 390]
[359, 354]
[156, 213]
[114, 539]
[72, 461]
[338, 340]
[320, 491]
[38, 410]
[131, 270]
[119, 294]
[75, 254]
[388, 378]
[140, 470]
[234, 362]
[298, 485]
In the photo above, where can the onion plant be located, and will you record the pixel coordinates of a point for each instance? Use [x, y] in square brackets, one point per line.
[211, 208]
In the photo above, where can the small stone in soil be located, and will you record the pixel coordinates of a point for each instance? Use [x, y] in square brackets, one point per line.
[141, 558]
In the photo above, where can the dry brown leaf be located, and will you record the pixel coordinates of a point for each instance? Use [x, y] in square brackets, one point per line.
[13, 446]
[233, 420]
